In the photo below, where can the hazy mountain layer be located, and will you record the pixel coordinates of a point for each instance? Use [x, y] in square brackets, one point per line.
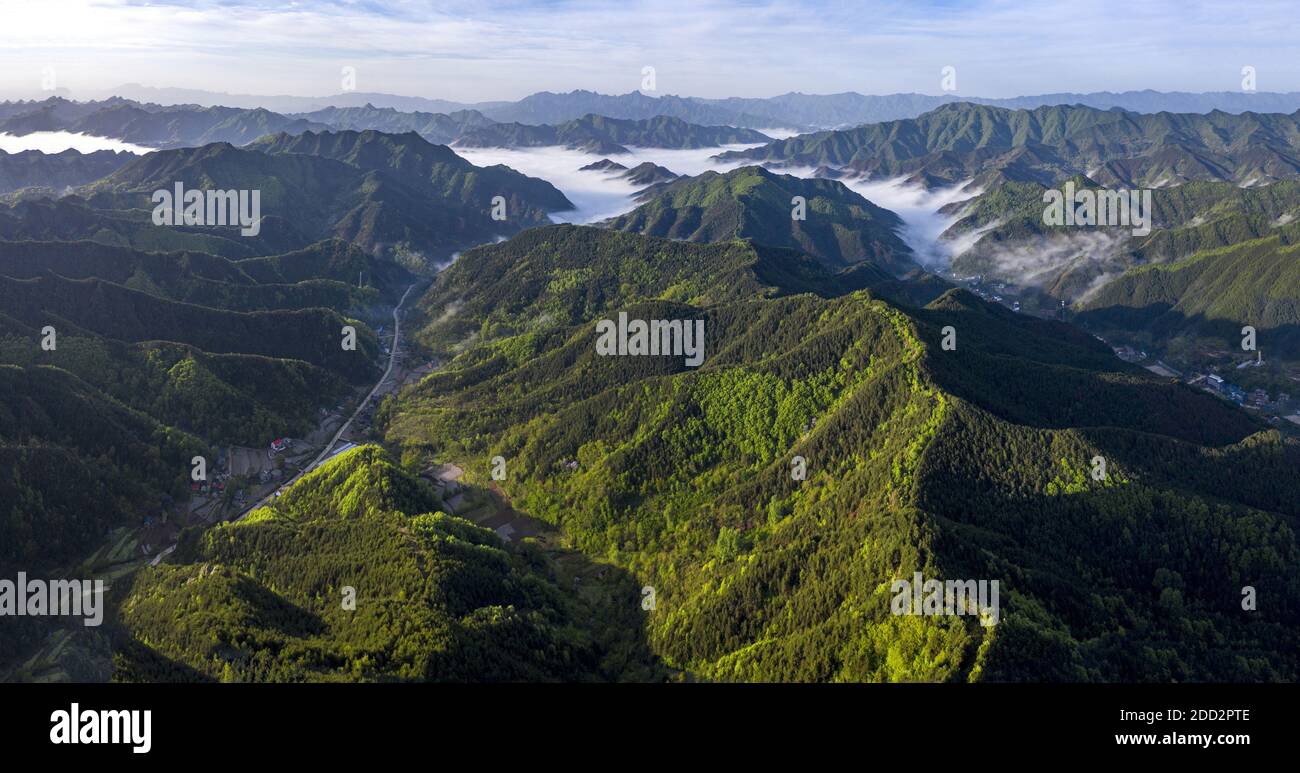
[960, 142]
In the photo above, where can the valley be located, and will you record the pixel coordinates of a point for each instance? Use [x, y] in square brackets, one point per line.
[474, 492]
[408, 373]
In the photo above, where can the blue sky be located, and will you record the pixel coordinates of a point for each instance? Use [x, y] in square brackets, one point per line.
[472, 51]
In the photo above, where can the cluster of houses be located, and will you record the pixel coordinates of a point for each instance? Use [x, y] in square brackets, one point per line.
[217, 484]
[1257, 398]
[993, 293]
[213, 487]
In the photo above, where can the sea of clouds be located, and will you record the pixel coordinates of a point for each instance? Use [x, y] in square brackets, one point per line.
[601, 195]
[57, 142]
[597, 195]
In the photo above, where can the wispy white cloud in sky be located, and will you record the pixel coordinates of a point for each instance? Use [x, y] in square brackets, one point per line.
[472, 51]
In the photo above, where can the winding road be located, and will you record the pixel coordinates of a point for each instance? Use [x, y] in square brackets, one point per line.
[392, 360]
[388, 372]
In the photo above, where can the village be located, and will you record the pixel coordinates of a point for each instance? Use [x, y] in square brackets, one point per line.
[1233, 379]
[238, 481]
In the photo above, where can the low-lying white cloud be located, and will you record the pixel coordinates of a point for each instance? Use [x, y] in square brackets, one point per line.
[920, 210]
[57, 142]
[962, 243]
[601, 195]
[1040, 260]
[779, 133]
[918, 207]
[596, 195]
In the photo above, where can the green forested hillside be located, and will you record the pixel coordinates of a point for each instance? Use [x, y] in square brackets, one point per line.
[326, 274]
[117, 312]
[560, 275]
[839, 227]
[129, 224]
[54, 171]
[1212, 294]
[435, 170]
[960, 141]
[436, 597]
[77, 463]
[973, 463]
[388, 194]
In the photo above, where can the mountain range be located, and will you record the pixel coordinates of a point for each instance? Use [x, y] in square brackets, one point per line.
[805, 112]
[396, 195]
[988, 145]
[177, 126]
[932, 432]
[151, 125]
[604, 136]
[56, 172]
[684, 475]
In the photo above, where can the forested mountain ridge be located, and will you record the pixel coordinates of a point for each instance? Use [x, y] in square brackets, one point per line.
[432, 169]
[324, 275]
[1212, 294]
[156, 126]
[683, 476]
[435, 597]
[440, 128]
[127, 221]
[56, 171]
[838, 226]
[388, 194]
[560, 275]
[117, 312]
[959, 142]
[598, 134]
